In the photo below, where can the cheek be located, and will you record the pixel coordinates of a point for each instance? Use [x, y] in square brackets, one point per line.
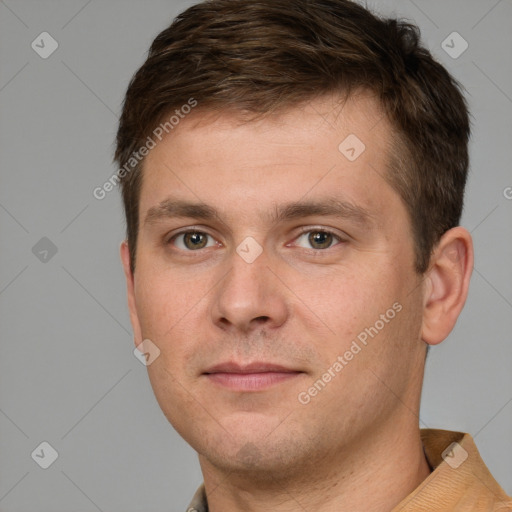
[171, 314]
[164, 301]
[347, 301]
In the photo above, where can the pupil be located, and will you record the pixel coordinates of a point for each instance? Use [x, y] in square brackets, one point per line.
[320, 238]
[196, 239]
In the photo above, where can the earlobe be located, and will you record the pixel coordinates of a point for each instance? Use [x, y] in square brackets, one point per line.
[130, 290]
[446, 284]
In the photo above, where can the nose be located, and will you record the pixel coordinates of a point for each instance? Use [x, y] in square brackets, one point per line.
[250, 296]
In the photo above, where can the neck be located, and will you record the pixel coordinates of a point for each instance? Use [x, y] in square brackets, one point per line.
[375, 474]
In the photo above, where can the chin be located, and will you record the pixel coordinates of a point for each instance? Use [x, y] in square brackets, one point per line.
[262, 453]
[259, 461]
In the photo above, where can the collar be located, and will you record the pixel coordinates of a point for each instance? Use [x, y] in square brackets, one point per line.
[460, 480]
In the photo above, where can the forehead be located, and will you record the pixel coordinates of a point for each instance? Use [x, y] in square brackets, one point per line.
[299, 128]
[326, 146]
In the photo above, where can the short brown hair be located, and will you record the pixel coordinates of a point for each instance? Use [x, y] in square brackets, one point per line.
[261, 56]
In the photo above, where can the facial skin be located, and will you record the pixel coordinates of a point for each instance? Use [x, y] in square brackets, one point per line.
[300, 304]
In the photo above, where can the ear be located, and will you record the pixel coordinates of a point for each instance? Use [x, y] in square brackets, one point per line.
[446, 284]
[130, 289]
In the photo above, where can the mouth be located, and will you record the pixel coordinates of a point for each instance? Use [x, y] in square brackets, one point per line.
[255, 376]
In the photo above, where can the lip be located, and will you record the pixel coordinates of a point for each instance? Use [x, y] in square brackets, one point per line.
[255, 376]
[254, 367]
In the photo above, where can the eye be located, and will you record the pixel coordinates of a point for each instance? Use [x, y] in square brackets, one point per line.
[318, 239]
[191, 240]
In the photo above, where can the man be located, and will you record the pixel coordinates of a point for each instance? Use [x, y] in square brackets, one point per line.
[293, 176]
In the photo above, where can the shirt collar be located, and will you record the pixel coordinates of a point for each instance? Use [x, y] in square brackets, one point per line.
[459, 481]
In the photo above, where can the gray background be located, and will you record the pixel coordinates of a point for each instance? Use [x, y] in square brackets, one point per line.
[68, 375]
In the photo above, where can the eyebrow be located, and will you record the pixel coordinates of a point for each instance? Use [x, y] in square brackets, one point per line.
[328, 206]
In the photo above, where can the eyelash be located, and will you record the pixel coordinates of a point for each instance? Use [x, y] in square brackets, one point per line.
[302, 232]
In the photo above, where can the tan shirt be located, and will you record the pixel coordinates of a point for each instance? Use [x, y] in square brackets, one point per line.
[460, 480]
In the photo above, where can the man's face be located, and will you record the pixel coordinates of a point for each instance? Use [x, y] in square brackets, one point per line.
[305, 260]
